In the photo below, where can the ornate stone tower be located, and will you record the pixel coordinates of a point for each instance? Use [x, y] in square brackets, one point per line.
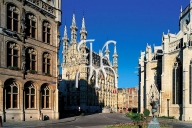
[80, 91]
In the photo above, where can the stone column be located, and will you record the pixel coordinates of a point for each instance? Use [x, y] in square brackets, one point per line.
[186, 116]
[22, 103]
[2, 103]
[38, 102]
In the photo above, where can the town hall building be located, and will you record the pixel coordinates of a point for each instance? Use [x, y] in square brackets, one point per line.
[89, 79]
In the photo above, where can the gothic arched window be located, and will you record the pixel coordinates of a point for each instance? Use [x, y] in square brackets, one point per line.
[45, 96]
[31, 25]
[12, 54]
[177, 83]
[12, 17]
[46, 32]
[11, 95]
[31, 58]
[46, 63]
[30, 95]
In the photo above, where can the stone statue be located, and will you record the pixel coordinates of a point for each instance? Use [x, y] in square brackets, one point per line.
[23, 67]
[23, 63]
[23, 25]
[154, 105]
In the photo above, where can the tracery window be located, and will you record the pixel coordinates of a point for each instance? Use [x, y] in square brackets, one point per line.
[46, 63]
[12, 95]
[177, 83]
[31, 25]
[12, 54]
[46, 32]
[30, 96]
[31, 59]
[45, 96]
[12, 17]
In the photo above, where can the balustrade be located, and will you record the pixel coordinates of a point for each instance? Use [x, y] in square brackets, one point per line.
[42, 6]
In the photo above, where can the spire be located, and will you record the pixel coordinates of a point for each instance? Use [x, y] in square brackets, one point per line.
[181, 9]
[115, 50]
[65, 32]
[73, 21]
[83, 31]
[65, 40]
[83, 24]
[115, 63]
[73, 30]
[107, 51]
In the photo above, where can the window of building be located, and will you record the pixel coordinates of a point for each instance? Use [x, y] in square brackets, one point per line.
[12, 17]
[46, 32]
[46, 63]
[31, 59]
[30, 96]
[12, 54]
[177, 83]
[45, 96]
[12, 95]
[31, 25]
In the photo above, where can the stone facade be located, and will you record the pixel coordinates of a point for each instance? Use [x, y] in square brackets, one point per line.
[87, 85]
[29, 36]
[127, 99]
[169, 76]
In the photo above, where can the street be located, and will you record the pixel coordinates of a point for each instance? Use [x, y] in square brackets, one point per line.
[88, 121]
[92, 121]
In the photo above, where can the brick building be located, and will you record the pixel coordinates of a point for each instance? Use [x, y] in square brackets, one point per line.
[127, 99]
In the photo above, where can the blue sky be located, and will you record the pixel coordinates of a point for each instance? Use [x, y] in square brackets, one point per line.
[132, 23]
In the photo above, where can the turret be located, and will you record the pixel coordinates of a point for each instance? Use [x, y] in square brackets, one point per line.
[148, 52]
[73, 30]
[115, 63]
[57, 5]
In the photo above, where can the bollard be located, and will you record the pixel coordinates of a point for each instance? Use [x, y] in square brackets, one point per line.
[1, 124]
